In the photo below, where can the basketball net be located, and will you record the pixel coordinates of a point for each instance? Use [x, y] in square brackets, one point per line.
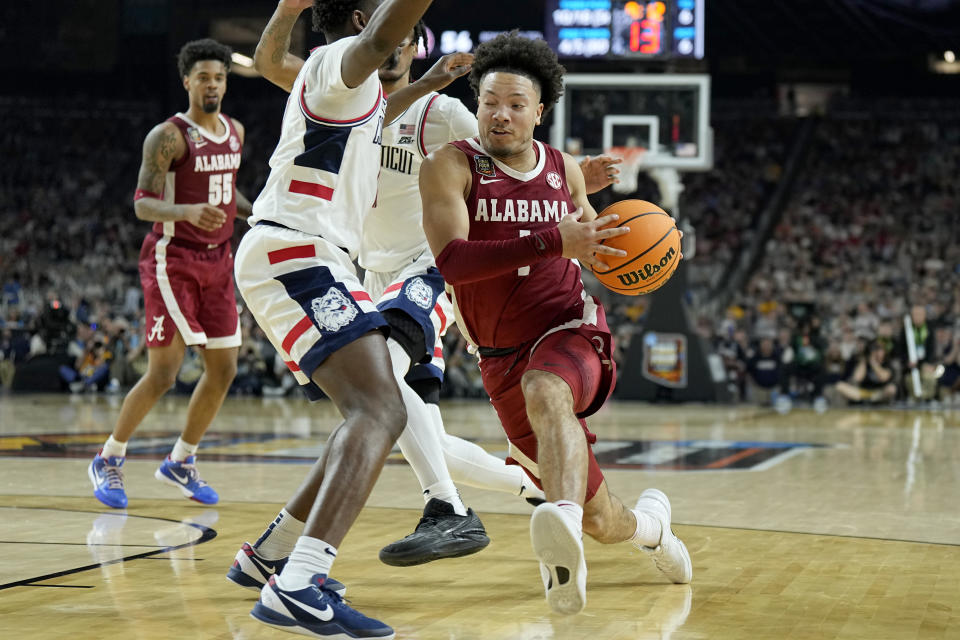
[629, 168]
[670, 185]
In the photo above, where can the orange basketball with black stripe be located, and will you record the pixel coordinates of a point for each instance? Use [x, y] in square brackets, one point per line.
[652, 246]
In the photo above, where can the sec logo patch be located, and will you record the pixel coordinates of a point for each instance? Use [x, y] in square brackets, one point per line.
[554, 180]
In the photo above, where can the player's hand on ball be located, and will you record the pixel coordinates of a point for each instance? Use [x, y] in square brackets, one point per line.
[581, 240]
[205, 216]
[449, 68]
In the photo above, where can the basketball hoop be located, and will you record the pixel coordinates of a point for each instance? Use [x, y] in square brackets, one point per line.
[629, 168]
[670, 185]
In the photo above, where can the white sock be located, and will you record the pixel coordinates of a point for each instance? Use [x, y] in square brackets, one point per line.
[573, 513]
[418, 443]
[182, 450]
[648, 531]
[113, 447]
[310, 556]
[280, 537]
[470, 464]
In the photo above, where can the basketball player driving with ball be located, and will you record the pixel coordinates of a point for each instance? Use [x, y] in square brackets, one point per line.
[507, 218]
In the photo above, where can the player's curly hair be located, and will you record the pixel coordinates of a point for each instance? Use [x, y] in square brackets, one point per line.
[513, 53]
[206, 49]
[331, 15]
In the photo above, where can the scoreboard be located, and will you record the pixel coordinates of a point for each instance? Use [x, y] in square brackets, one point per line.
[641, 29]
[624, 29]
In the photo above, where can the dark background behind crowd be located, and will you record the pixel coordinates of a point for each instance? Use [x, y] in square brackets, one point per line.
[824, 221]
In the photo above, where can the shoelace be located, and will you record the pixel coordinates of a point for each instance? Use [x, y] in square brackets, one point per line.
[336, 599]
[193, 474]
[114, 477]
[426, 521]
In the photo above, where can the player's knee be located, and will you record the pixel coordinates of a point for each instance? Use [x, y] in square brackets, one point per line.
[386, 413]
[162, 376]
[223, 372]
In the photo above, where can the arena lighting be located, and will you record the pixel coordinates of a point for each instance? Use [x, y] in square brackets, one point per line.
[242, 60]
[949, 56]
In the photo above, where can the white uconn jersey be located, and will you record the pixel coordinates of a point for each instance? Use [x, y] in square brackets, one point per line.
[323, 173]
[393, 230]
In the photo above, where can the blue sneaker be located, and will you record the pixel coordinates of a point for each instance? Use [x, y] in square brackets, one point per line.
[251, 571]
[185, 477]
[107, 480]
[315, 611]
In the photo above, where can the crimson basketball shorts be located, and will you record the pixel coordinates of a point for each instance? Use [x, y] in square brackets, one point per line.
[304, 293]
[579, 352]
[418, 291]
[188, 288]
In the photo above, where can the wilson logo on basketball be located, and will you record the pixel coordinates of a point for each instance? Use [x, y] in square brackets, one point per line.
[648, 270]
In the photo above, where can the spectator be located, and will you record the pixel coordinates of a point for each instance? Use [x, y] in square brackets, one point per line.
[948, 355]
[803, 364]
[7, 358]
[92, 369]
[765, 372]
[871, 379]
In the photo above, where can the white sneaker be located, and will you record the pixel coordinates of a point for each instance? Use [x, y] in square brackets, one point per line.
[563, 567]
[670, 556]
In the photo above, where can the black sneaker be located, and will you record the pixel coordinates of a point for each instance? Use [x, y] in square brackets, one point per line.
[440, 534]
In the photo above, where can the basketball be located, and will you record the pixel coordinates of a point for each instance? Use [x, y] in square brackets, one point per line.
[652, 246]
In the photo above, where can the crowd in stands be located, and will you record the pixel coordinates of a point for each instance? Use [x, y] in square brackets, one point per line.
[871, 232]
[870, 235]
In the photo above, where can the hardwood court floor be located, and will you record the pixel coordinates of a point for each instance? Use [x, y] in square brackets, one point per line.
[841, 525]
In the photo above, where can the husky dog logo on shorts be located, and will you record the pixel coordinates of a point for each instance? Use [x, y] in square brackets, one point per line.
[333, 310]
[420, 293]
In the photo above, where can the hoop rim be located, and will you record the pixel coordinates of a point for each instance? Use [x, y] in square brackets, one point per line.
[627, 154]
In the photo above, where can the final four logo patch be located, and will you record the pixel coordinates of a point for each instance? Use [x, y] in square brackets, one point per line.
[485, 165]
[196, 136]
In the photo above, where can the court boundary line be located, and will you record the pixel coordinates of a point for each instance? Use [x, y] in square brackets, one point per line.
[207, 534]
[806, 533]
[720, 526]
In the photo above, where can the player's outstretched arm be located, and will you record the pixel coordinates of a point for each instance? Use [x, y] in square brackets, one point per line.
[272, 57]
[163, 145]
[390, 24]
[600, 172]
[442, 73]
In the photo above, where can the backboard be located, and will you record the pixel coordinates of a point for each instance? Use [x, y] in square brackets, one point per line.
[668, 115]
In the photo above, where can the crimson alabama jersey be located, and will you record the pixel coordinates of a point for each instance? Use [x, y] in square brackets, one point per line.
[206, 173]
[503, 204]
